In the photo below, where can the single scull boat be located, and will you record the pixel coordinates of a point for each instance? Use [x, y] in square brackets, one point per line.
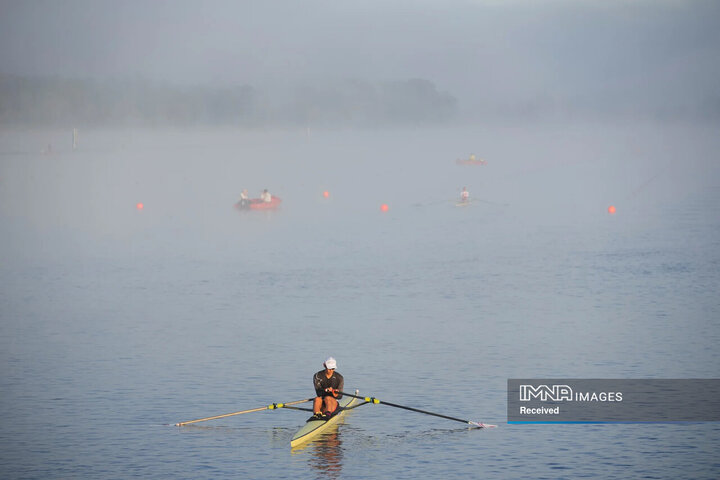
[313, 428]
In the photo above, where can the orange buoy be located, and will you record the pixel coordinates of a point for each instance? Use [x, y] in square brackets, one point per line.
[611, 209]
[384, 207]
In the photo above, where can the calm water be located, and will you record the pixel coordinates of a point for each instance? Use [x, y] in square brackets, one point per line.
[116, 322]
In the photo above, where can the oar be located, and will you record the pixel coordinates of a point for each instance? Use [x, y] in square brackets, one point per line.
[375, 400]
[269, 407]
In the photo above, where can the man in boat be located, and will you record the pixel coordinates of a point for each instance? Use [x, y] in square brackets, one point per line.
[464, 195]
[244, 199]
[328, 385]
[265, 196]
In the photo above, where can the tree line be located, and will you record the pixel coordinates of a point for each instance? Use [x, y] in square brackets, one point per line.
[78, 102]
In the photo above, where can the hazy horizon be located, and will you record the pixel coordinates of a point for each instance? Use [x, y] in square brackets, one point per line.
[623, 57]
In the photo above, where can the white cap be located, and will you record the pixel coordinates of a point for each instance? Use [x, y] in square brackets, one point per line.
[330, 363]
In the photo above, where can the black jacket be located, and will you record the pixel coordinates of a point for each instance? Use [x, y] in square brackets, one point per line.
[321, 382]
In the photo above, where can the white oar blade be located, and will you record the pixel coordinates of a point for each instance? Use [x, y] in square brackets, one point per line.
[482, 425]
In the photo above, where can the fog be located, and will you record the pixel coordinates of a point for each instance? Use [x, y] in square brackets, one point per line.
[81, 205]
[521, 59]
[180, 105]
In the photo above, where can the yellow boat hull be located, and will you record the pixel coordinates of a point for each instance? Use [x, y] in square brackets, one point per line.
[313, 428]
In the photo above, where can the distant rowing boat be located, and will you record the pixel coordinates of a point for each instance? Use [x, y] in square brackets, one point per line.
[470, 162]
[313, 428]
[259, 204]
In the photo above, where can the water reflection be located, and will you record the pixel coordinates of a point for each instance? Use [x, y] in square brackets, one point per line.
[324, 454]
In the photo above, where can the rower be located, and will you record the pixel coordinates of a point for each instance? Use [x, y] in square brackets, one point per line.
[244, 199]
[328, 385]
[464, 195]
[265, 196]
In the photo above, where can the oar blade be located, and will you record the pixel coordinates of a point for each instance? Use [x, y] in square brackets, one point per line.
[482, 425]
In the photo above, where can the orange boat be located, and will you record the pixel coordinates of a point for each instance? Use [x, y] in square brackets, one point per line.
[259, 204]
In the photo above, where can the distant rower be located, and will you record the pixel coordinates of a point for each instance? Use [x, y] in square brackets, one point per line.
[244, 199]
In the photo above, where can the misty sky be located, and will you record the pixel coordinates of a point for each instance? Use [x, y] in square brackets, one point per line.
[481, 50]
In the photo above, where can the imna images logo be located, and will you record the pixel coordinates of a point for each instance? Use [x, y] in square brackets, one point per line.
[544, 393]
[605, 400]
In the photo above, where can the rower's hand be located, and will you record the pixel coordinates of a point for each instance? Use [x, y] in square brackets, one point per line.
[333, 391]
